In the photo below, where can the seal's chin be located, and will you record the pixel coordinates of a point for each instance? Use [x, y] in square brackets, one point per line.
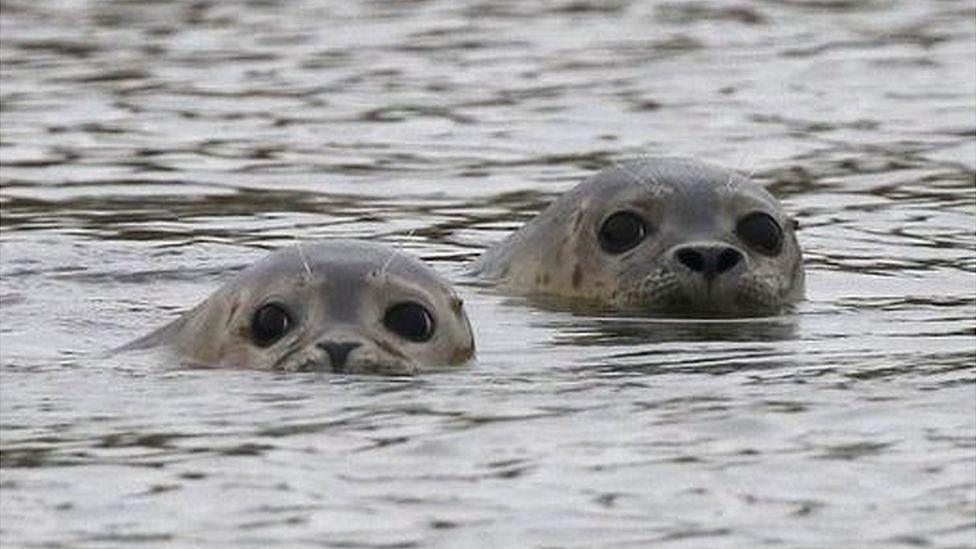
[313, 359]
[673, 294]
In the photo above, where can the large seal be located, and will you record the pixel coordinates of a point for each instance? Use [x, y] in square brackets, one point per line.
[661, 235]
[340, 306]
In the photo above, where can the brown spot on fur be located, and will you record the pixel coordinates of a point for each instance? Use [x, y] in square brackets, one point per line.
[462, 354]
[577, 276]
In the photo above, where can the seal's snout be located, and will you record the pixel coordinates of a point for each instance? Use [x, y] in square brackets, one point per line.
[338, 352]
[709, 260]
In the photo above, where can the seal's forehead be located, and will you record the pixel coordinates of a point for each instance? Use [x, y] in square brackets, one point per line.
[673, 175]
[363, 257]
[338, 258]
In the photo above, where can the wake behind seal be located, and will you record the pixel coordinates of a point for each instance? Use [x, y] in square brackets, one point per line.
[340, 306]
[659, 235]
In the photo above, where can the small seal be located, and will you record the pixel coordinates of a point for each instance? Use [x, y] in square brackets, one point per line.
[660, 235]
[339, 306]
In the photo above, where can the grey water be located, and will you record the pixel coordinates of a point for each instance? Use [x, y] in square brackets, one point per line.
[148, 150]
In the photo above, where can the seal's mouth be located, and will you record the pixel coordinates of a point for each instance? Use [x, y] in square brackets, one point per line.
[312, 359]
[666, 292]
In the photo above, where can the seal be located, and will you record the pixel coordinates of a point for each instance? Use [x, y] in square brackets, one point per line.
[340, 306]
[659, 235]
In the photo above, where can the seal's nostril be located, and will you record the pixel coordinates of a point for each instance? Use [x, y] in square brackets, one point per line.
[338, 352]
[708, 260]
[691, 258]
[727, 259]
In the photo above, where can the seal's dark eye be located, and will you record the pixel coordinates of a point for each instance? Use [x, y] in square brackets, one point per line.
[269, 323]
[760, 231]
[410, 320]
[621, 232]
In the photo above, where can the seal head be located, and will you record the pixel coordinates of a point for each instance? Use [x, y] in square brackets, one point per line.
[662, 235]
[339, 306]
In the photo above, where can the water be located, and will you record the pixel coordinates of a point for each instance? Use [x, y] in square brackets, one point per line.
[148, 150]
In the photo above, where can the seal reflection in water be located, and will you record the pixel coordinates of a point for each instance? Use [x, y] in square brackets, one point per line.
[340, 306]
[662, 235]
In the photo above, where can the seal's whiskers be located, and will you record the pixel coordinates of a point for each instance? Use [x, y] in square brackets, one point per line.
[304, 260]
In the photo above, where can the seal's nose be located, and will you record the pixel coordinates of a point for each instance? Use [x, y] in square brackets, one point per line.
[709, 260]
[338, 352]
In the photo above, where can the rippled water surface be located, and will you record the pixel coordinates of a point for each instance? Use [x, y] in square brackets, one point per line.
[150, 149]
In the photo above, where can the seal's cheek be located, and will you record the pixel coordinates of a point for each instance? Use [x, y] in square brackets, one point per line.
[462, 354]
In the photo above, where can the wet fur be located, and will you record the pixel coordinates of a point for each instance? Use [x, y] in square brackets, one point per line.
[337, 291]
[688, 202]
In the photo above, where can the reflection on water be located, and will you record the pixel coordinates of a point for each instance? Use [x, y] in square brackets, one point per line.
[149, 150]
[637, 331]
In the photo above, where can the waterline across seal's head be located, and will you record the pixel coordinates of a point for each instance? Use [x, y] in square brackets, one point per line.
[339, 306]
[662, 235]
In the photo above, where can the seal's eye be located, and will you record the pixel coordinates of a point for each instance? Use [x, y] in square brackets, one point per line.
[410, 320]
[760, 231]
[269, 323]
[621, 232]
